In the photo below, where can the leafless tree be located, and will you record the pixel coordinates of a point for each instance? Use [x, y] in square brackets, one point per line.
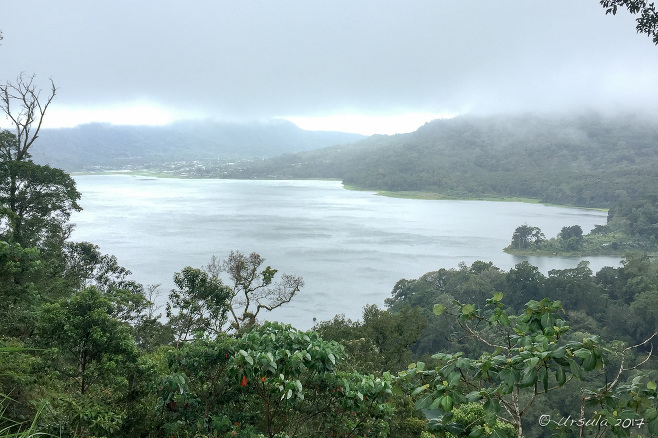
[24, 107]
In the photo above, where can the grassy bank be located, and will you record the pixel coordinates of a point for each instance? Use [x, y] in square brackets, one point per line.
[459, 197]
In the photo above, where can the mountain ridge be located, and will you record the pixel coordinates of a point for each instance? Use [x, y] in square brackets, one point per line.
[587, 160]
[97, 145]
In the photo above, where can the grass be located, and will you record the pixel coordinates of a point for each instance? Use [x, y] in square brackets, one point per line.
[459, 197]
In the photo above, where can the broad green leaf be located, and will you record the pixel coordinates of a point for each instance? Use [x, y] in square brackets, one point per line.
[247, 357]
[418, 390]
[582, 353]
[435, 404]
[468, 309]
[498, 296]
[575, 369]
[652, 426]
[560, 352]
[529, 377]
[446, 403]
[439, 309]
[453, 378]
[560, 376]
[651, 386]
[492, 406]
[543, 373]
[533, 361]
[423, 402]
[477, 432]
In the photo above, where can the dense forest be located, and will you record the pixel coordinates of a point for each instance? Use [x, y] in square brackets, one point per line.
[587, 160]
[474, 351]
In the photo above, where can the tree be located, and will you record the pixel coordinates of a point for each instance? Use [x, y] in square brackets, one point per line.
[647, 22]
[90, 344]
[89, 357]
[526, 357]
[571, 237]
[252, 289]
[87, 266]
[525, 235]
[291, 375]
[36, 201]
[22, 104]
[200, 304]
[20, 299]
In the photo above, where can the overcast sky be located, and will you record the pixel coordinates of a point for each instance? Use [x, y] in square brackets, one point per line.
[311, 61]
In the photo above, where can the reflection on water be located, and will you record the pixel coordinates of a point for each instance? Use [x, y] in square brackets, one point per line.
[350, 247]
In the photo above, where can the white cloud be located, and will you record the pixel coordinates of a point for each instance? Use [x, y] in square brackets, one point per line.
[133, 113]
[367, 124]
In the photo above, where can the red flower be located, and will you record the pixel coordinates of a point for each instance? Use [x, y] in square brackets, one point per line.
[244, 381]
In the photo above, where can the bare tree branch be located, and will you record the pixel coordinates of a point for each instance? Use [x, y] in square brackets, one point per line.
[23, 106]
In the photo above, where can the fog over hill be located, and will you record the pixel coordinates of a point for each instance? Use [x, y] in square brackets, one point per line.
[94, 146]
[588, 159]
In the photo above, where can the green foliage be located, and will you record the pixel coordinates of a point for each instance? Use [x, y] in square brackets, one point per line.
[86, 343]
[469, 418]
[17, 388]
[36, 202]
[631, 226]
[199, 305]
[647, 22]
[584, 160]
[252, 287]
[18, 270]
[379, 343]
[273, 380]
[525, 357]
[85, 266]
[198, 395]
[524, 236]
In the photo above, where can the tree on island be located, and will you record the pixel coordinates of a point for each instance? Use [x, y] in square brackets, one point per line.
[525, 235]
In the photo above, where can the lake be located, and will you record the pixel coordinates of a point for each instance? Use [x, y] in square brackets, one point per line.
[351, 247]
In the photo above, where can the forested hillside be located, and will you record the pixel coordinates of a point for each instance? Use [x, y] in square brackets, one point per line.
[585, 160]
[103, 146]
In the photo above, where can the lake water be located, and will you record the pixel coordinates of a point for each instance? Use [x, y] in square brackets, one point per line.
[351, 247]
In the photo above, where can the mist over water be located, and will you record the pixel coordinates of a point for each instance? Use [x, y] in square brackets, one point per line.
[350, 247]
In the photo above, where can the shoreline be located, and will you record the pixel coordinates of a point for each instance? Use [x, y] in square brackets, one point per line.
[418, 195]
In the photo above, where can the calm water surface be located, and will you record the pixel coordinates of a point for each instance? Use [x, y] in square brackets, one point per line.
[350, 247]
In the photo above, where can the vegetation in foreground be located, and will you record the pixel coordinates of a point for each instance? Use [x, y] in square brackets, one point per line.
[84, 353]
[474, 351]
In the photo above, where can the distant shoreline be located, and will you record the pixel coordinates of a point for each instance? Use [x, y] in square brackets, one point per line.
[418, 195]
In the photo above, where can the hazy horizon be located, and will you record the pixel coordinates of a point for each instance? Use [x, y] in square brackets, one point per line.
[366, 67]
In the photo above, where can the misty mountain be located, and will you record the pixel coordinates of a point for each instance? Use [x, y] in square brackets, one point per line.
[108, 146]
[587, 160]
